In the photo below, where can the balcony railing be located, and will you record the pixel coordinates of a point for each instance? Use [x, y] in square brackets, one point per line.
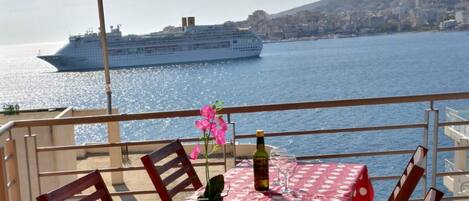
[449, 166]
[13, 187]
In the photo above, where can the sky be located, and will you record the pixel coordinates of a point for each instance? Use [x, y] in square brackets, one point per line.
[33, 21]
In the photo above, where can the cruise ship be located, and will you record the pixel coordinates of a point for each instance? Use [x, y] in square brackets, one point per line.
[188, 43]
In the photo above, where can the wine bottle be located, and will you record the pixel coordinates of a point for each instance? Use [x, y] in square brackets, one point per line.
[261, 164]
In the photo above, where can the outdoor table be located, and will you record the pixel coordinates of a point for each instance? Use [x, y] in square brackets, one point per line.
[310, 181]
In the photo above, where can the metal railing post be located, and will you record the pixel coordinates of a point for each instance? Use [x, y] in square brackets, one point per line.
[425, 144]
[37, 164]
[224, 153]
[13, 183]
[3, 177]
[28, 168]
[435, 146]
[233, 139]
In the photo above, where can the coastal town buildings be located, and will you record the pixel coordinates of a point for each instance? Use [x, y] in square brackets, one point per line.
[372, 17]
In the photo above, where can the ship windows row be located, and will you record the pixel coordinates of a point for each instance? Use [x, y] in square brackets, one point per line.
[164, 40]
[169, 48]
[249, 48]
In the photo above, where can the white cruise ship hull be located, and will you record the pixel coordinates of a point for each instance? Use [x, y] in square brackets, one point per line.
[77, 63]
[193, 44]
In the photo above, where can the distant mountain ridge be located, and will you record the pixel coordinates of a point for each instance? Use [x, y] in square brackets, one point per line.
[332, 5]
[361, 5]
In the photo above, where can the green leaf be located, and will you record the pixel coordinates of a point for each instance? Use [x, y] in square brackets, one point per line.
[218, 105]
[217, 184]
[215, 147]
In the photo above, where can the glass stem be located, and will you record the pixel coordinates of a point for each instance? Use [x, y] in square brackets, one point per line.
[278, 175]
[207, 171]
[286, 182]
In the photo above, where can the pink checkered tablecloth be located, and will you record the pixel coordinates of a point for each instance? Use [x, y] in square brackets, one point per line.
[312, 182]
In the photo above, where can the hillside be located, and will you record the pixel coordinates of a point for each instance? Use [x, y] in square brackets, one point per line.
[327, 18]
[367, 5]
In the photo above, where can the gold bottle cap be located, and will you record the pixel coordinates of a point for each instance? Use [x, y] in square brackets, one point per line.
[260, 133]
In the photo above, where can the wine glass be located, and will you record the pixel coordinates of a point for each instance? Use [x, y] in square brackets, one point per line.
[287, 168]
[275, 155]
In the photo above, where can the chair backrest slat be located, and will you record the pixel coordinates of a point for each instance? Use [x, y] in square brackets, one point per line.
[68, 191]
[164, 152]
[175, 175]
[411, 176]
[433, 195]
[170, 164]
[181, 161]
[181, 186]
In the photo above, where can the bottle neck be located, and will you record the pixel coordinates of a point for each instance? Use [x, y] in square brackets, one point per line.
[260, 143]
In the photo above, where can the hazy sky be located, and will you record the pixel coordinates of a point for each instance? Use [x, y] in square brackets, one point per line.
[29, 21]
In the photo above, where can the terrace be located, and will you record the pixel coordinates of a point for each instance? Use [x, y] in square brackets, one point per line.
[41, 154]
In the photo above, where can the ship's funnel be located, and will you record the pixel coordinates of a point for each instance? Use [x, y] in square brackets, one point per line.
[191, 21]
[184, 22]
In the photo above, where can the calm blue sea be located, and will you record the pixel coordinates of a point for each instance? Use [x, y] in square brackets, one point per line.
[390, 65]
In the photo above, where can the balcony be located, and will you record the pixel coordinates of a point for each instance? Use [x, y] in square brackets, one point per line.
[458, 184]
[41, 154]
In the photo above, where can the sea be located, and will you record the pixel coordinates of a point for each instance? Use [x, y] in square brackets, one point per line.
[361, 67]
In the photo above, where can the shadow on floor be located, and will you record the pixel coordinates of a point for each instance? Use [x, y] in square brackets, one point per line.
[123, 187]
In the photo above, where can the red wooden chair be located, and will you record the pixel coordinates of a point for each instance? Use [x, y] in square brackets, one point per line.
[411, 176]
[68, 191]
[433, 195]
[155, 172]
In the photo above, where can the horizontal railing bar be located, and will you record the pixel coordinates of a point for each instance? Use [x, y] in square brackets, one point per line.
[349, 102]
[293, 133]
[357, 154]
[122, 193]
[243, 109]
[444, 149]
[441, 174]
[446, 198]
[141, 192]
[116, 144]
[385, 177]
[133, 193]
[456, 198]
[73, 172]
[453, 123]
[56, 109]
[338, 130]
[6, 127]
[106, 118]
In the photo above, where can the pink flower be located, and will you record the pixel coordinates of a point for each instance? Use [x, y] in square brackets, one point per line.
[219, 127]
[195, 152]
[219, 133]
[220, 137]
[208, 112]
[202, 125]
[215, 125]
[222, 124]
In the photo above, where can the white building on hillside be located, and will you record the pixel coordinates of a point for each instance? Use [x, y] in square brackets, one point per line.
[462, 17]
